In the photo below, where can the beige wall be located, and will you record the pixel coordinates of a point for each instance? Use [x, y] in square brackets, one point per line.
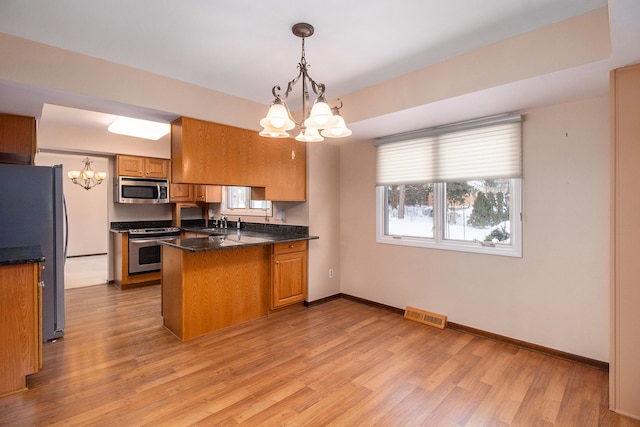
[556, 295]
[324, 219]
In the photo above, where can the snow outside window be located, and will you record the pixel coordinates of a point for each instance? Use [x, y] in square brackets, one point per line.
[471, 216]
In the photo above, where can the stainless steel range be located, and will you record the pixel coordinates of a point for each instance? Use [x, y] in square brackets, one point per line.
[144, 249]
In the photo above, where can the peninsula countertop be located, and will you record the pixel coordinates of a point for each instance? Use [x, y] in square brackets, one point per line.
[218, 238]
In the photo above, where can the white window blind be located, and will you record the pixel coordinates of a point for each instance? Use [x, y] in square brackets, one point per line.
[478, 149]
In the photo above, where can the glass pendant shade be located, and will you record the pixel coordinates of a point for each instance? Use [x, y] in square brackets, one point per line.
[274, 133]
[338, 130]
[321, 116]
[278, 117]
[309, 135]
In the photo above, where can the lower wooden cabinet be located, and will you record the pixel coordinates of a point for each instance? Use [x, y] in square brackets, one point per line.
[122, 278]
[289, 281]
[20, 325]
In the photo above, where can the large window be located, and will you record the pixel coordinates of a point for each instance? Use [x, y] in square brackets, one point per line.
[455, 187]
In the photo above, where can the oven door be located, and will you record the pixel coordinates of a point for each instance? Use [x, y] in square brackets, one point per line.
[144, 254]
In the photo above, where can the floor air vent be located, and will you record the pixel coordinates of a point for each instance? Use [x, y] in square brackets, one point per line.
[426, 317]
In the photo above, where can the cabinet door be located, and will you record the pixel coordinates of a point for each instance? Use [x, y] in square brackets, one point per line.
[181, 193]
[207, 193]
[156, 168]
[19, 325]
[212, 193]
[130, 166]
[286, 161]
[17, 139]
[289, 279]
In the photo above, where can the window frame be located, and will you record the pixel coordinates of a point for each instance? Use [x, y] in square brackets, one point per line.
[247, 211]
[514, 249]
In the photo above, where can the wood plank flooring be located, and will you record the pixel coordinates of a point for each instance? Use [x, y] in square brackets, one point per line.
[341, 363]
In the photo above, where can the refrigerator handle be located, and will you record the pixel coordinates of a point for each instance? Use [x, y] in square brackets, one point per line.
[66, 228]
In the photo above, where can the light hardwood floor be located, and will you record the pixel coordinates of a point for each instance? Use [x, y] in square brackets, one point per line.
[340, 363]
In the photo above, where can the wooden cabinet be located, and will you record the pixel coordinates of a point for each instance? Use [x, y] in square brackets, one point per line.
[210, 153]
[20, 325]
[147, 167]
[206, 291]
[122, 278]
[198, 193]
[208, 193]
[625, 295]
[17, 139]
[289, 281]
[286, 170]
[181, 193]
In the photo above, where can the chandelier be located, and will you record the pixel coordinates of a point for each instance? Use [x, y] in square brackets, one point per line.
[322, 121]
[87, 178]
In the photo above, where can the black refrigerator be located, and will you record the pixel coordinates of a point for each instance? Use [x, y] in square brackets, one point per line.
[32, 213]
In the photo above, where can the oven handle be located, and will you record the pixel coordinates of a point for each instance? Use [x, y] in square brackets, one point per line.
[150, 240]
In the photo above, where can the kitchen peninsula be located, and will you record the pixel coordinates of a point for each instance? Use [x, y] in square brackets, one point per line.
[220, 277]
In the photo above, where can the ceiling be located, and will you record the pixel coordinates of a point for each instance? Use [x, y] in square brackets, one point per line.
[244, 47]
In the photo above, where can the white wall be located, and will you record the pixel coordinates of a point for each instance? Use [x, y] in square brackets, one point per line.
[87, 209]
[557, 294]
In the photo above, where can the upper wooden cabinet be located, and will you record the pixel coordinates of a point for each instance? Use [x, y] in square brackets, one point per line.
[147, 167]
[17, 139]
[210, 153]
[185, 193]
[207, 193]
[180, 193]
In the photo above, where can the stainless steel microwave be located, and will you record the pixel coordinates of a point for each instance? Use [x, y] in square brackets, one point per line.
[141, 190]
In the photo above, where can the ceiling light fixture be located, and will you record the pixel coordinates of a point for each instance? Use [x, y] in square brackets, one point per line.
[87, 178]
[139, 128]
[322, 120]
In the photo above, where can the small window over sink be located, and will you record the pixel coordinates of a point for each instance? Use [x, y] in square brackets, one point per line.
[237, 201]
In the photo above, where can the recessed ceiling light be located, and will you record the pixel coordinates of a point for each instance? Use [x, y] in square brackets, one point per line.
[139, 128]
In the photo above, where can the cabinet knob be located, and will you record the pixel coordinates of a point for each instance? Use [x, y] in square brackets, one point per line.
[292, 246]
[41, 283]
[277, 262]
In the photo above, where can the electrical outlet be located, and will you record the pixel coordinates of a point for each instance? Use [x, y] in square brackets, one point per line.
[331, 273]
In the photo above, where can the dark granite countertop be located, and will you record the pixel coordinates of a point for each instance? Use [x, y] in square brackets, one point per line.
[21, 255]
[232, 238]
[124, 227]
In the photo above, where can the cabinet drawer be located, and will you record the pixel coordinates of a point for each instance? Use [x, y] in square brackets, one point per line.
[283, 248]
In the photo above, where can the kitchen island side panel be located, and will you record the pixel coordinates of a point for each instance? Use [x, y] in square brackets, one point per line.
[217, 288]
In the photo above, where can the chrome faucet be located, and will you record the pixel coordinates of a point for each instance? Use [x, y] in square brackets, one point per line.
[223, 221]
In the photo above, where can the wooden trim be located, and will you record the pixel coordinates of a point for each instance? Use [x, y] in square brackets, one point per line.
[604, 366]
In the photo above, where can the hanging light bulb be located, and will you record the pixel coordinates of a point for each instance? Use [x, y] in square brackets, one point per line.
[322, 116]
[278, 117]
[339, 128]
[87, 178]
[309, 135]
